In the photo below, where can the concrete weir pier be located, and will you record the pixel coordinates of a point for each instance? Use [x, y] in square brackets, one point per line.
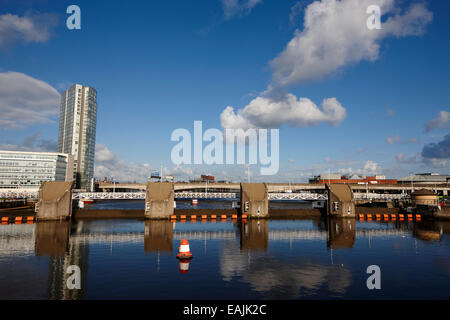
[254, 200]
[340, 201]
[55, 201]
[159, 200]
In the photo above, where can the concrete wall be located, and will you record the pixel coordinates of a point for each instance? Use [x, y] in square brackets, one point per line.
[55, 200]
[69, 168]
[254, 200]
[340, 201]
[159, 200]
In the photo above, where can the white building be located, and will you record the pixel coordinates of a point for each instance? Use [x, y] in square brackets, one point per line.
[20, 169]
[77, 129]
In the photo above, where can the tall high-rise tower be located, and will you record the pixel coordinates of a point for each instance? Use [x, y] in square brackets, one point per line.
[77, 127]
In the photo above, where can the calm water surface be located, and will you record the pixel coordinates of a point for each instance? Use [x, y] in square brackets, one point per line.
[285, 259]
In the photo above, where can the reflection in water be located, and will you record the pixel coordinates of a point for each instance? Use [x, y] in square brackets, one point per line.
[52, 239]
[158, 236]
[341, 233]
[428, 231]
[184, 266]
[277, 279]
[255, 235]
[259, 258]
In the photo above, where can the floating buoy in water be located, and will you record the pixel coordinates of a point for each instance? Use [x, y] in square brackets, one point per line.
[194, 202]
[184, 251]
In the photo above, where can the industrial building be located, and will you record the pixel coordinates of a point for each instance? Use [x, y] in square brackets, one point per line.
[20, 169]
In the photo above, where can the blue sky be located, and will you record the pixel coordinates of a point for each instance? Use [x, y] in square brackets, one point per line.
[160, 65]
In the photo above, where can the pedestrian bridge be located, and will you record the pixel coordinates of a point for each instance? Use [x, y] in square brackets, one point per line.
[194, 195]
[306, 196]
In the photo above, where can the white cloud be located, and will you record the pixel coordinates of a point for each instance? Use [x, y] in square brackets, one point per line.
[33, 28]
[402, 158]
[25, 100]
[267, 112]
[442, 121]
[370, 168]
[232, 8]
[335, 35]
[108, 164]
[179, 172]
[436, 163]
[397, 139]
[425, 161]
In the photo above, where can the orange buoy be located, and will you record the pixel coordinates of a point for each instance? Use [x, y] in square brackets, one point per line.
[234, 216]
[184, 252]
[193, 218]
[378, 216]
[361, 216]
[393, 217]
[204, 216]
[386, 217]
[410, 216]
[369, 217]
[224, 216]
[244, 216]
[418, 217]
[5, 219]
[213, 217]
[18, 219]
[401, 216]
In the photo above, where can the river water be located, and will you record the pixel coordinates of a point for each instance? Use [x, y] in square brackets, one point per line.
[265, 259]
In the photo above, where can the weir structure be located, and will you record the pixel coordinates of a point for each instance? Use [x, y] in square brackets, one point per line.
[159, 200]
[55, 201]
